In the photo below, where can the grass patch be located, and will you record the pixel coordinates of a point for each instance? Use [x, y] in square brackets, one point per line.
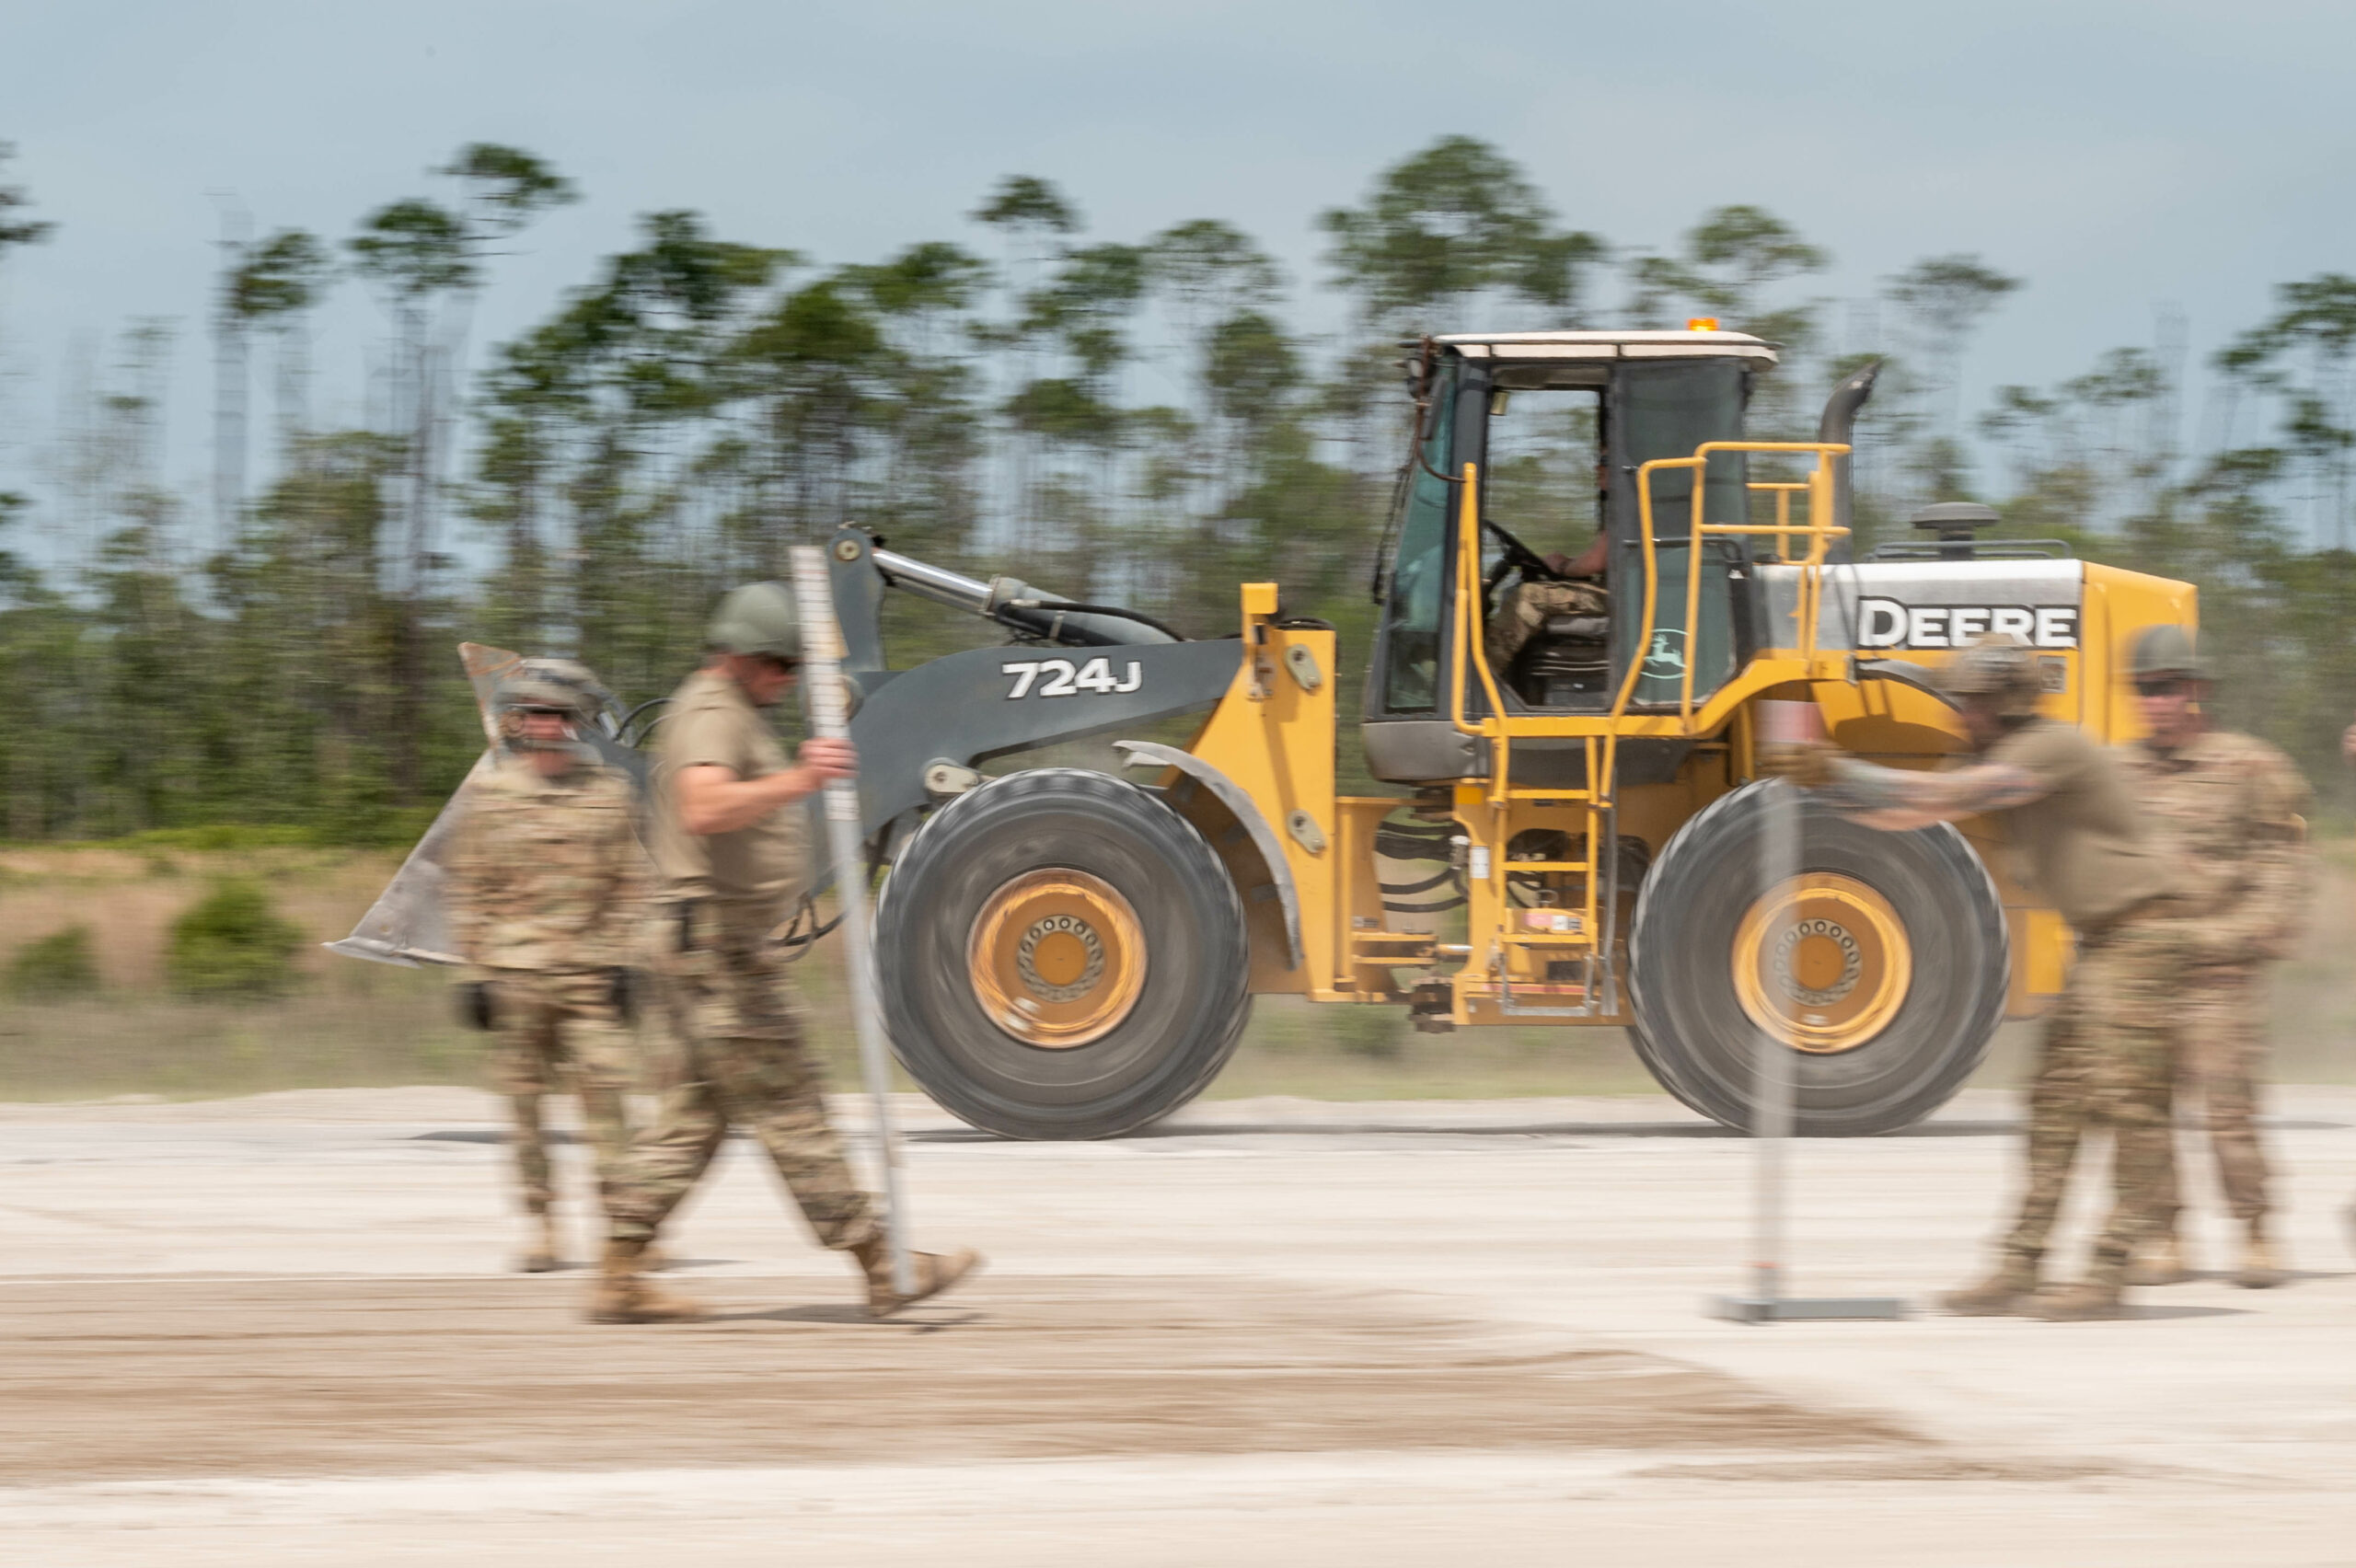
[233, 944]
[351, 1024]
[370, 1027]
[59, 964]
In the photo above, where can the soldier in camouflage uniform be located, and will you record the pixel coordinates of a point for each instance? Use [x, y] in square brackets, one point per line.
[729, 808]
[1527, 606]
[2230, 808]
[546, 893]
[2111, 1047]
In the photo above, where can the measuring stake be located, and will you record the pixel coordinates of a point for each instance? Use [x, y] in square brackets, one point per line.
[821, 659]
[1774, 1081]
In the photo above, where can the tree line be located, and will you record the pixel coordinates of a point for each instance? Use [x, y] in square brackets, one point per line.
[1145, 421]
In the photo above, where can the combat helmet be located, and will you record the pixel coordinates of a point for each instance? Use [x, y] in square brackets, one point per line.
[2164, 651]
[760, 618]
[1999, 667]
[545, 686]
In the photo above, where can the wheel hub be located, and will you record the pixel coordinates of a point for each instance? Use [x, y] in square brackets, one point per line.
[1822, 962]
[1060, 958]
[1057, 958]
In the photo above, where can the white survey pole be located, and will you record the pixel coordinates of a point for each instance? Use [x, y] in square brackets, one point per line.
[830, 719]
[1774, 1086]
[1772, 1078]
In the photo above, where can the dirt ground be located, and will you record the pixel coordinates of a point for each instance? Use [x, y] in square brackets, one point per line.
[413, 1375]
[278, 1331]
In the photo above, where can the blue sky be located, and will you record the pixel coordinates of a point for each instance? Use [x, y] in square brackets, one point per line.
[2118, 155]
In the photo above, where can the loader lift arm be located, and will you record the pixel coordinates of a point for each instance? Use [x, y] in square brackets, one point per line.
[965, 708]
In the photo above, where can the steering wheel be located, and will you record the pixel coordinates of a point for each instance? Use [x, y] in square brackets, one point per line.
[1513, 554]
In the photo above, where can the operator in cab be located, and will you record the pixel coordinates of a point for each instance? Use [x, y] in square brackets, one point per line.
[1570, 592]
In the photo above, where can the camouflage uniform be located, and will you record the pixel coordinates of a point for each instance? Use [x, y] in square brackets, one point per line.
[742, 1059]
[2107, 1059]
[1522, 614]
[2109, 1054]
[742, 1055]
[2229, 809]
[547, 886]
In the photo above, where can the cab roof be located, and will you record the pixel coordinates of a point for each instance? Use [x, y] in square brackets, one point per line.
[1609, 345]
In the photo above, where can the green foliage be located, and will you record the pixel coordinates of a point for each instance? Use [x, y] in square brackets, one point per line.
[1950, 293]
[414, 248]
[1376, 1034]
[233, 944]
[1453, 222]
[280, 278]
[508, 186]
[1726, 264]
[1022, 202]
[1150, 420]
[59, 964]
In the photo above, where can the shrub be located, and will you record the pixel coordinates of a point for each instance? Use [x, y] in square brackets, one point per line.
[233, 944]
[59, 964]
[1378, 1034]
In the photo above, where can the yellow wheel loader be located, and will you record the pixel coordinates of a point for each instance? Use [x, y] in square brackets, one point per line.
[1066, 954]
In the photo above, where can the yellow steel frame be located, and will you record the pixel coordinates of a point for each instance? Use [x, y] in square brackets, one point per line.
[1493, 813]
[1274, 737]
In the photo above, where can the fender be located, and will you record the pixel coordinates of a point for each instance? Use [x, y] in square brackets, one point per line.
[1903, 673]
[1256, 827]
[967, 708]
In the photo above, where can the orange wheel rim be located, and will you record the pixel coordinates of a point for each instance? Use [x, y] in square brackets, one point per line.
[1057, 958]
[1822, 962]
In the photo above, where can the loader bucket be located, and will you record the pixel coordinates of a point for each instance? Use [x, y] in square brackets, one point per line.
[407, 924]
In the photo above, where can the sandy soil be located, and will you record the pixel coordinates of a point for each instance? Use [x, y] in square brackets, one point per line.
[276, 1332]
[187, 1377]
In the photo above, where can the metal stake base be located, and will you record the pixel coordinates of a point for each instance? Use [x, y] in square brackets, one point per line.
[1803, 1309]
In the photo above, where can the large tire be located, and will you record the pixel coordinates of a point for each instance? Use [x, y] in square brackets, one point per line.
[1901, 944]
[1061, 956]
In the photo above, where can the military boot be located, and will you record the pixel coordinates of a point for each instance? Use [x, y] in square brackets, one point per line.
[2000, 1295]
[539, 1254]
[624, 1295]
[934, 1272]
[2162, 1262]
[2087, 1301]
[2259, 1269]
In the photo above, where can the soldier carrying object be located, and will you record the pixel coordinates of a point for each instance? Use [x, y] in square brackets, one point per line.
[2109, 1057]
[2230, 810]
[728, 851]
[547, 886]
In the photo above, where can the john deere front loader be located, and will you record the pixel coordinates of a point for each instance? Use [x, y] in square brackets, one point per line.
[1574, 838]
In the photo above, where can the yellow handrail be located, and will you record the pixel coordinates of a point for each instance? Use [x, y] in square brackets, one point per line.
[1468, 622]
[1820, 536]
[1469, 645]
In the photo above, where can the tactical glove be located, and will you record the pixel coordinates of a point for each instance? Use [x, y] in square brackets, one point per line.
[624, 995]
[474, 1005]
[1809, 764]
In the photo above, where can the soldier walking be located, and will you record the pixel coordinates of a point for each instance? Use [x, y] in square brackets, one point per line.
[2109, 1057]
[728, 852]
[2230, 810]
[548, 885]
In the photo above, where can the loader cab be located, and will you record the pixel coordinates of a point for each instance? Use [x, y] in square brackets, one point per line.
[1555, 426]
